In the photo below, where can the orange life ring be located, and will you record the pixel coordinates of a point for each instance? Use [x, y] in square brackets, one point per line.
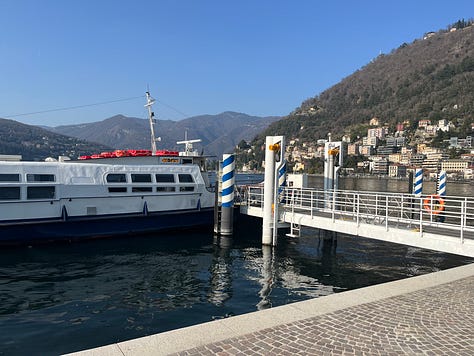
[433, 204]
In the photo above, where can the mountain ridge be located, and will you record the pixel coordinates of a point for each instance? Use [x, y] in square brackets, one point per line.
[219, 133]
[35, 143]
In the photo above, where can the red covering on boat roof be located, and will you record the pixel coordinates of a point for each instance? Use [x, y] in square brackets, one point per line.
[130, 153]
[167, 153]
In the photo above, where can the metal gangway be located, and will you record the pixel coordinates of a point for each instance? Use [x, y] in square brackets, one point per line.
[393, 217]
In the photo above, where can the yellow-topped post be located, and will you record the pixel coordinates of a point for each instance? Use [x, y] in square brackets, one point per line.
[274, 152]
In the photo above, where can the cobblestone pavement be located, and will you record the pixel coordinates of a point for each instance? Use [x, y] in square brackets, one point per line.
[432, 321]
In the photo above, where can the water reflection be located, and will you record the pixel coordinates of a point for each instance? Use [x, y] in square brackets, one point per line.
[101, 292]
[220, 272]
[267, 278]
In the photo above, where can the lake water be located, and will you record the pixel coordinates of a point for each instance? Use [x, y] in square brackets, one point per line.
[64, 298]
[463, 189]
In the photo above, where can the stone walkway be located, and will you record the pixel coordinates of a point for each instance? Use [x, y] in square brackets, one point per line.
[431, 314]
[433, 321]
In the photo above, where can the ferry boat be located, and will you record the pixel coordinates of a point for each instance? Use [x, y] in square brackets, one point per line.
[123, 192]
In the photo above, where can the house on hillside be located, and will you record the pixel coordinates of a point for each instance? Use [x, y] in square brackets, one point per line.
[379, 132]
[374, 122]
[397, 170]
[366, 150]
[428, 35]
[346, 139]
[422, 124]
[469, 173]
[379, 165]
[400, 127]
[468, 157]
[430, 130]
[456, 142]
[352, 149]
[454, 165]
[417, 160]
[421, 147]
[443, 125]
[370, 141]
[395, 157]
[298, 167]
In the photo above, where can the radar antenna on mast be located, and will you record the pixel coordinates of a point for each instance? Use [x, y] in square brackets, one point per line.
[151, 117]
[188, 144]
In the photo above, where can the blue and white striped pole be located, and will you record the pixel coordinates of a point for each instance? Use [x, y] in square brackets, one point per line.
[442, 193]
[227, 194]
[442, 184]
[418, 182]
[282, 178]
[228, 180]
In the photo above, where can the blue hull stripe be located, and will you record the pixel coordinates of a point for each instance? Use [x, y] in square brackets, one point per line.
[103, 226]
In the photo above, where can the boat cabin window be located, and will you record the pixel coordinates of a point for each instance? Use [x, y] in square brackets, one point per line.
[185, 178]
[45, 192]
[187, 160]
[116, 178]
[40, 178]
[165, 189]
[117, 189]
[141, 178]
[164, 178]
[186, 189]
[9, 193]
[7, 177]
[141, 189]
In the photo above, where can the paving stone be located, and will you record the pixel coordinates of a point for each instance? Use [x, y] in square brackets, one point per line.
[431, 321]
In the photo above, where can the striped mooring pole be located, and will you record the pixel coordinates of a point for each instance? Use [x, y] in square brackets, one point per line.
[282, 178]
[442, 184]
[418, 189]
[228, 181]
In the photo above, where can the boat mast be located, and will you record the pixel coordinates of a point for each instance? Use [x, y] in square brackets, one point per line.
[151, 116]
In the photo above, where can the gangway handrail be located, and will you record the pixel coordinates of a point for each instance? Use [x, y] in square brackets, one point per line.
[387, 208]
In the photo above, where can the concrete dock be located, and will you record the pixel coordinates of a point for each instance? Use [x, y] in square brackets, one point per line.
[427, 315]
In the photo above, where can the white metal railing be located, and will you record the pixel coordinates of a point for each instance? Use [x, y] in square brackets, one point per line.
[455, 218]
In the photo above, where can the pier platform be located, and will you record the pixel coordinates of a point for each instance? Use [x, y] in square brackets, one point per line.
[429, 314]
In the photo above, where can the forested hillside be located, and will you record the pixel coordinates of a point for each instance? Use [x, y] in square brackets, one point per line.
[36, 144]
[430, 78]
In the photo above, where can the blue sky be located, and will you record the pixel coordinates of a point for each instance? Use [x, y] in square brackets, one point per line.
[197, 56]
